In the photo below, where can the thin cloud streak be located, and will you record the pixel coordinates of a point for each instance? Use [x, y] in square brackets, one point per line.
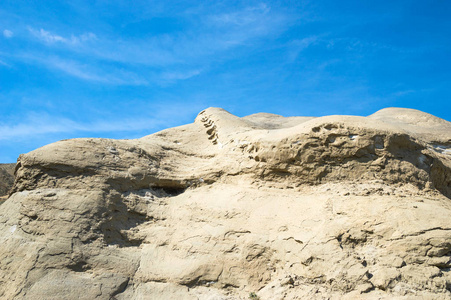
[244, 17]
[43, 125]
[4, 64]
[297, 46]
[8, 33]
[95, 72]
[242, 26]
[90, 73]
[179, 75]
[50, 38]
[162, 59]
[220, 32]
[47, 125]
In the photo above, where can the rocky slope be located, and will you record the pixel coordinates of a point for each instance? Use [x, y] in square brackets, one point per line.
[336, 207]
[6, 179]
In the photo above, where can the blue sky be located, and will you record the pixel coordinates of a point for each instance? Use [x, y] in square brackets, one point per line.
[125, 69]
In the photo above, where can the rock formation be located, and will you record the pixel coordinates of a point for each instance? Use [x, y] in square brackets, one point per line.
[337, 207]
[6, 179]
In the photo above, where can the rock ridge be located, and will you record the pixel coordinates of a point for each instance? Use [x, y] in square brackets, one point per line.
[228, 206]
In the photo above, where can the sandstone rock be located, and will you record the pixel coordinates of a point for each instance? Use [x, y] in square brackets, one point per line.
[335, 207]
[6, 179]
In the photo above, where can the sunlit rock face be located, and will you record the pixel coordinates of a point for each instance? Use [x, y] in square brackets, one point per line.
[338, 207]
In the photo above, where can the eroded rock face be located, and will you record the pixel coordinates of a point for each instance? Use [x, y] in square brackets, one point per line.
[287, 208]
[6, 179]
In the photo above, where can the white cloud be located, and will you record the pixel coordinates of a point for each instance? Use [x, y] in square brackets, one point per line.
[74, 69]
[3, 63]
[217, 33]
[42, 126]
[87, 36]
[50, 38]
[245, 17]
[160, 59]
[89, 72]
[242, 18]
[47, 37]
[297, 46]
[179, 75]
[403, 93]
[242, 26]
[8, 33]
[107, 73]
[46, 124]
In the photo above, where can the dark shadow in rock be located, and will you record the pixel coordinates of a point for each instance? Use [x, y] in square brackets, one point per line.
[6, 178]
[120, 217]
[171, 191]
[121, 288]
[117, 229]
[80, 266]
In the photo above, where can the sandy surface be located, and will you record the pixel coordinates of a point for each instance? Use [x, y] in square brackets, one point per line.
[336, 207]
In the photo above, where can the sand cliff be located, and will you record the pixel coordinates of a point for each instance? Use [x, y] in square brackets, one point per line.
[287, 208]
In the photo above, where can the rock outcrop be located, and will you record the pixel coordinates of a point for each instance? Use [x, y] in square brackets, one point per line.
[336, 207]
[6, 179]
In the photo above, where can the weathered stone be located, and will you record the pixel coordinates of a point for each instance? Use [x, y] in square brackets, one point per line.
[334, 207]
[6, 179]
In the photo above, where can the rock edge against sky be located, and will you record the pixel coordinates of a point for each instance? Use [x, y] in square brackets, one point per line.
[337, 206]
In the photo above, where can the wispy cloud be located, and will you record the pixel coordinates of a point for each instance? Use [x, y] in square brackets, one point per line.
[403, 93]
[42, 125]
[179, 75]
[297, 46]
[75, 69]
[51, 38]
[8, 33]
[160, 59]
[4, 64]
[95, 72]
[45, 124]
[247, 16]
[90, 73]
[238, 27]
[217, 32]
